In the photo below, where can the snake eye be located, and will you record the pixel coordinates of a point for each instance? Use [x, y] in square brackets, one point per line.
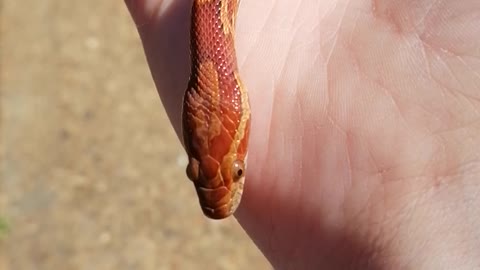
[238, 170]
[192, 169]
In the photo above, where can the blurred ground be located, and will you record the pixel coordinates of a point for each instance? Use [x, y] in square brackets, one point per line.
[92, 175]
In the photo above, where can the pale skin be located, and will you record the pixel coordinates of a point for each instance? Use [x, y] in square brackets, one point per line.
[365, 139]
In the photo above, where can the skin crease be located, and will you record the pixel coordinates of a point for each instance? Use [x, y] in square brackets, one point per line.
[365, 121]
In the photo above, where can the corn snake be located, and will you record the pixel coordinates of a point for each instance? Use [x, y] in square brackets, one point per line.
[216, 110]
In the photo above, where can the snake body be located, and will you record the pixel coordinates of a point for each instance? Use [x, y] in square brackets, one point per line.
[216, 110]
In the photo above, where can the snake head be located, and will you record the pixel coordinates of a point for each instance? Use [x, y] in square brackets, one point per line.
[219, 185]
[216, 110]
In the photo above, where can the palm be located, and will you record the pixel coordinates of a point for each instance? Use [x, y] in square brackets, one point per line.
[353, 106]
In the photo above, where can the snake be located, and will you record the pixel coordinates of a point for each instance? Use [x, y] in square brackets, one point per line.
[215, 110]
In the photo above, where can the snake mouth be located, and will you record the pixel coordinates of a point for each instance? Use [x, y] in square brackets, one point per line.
[221, 212]
[218, 203]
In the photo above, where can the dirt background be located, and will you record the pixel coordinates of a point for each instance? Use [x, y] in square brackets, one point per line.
[92, 174]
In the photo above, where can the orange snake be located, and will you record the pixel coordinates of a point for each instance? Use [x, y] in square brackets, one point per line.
[216, 110]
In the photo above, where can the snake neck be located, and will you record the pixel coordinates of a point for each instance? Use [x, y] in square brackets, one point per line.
[212, 34]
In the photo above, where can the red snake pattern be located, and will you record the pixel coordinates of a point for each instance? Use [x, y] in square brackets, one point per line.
[216, 110]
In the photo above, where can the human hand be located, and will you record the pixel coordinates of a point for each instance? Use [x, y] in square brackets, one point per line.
[364, 147]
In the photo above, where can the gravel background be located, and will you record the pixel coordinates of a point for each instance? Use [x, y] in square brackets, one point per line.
[92, 174]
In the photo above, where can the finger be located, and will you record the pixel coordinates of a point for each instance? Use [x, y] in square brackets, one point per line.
[142, 10]
[163, 28]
